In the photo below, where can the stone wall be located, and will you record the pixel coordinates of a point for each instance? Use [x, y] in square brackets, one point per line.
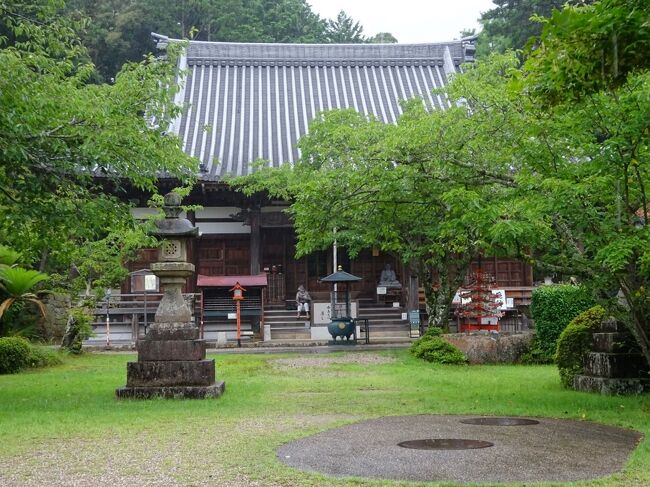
[491, 348]
[57, 308]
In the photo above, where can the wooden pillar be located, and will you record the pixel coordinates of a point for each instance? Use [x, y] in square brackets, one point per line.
[254, 222]
[413, 302]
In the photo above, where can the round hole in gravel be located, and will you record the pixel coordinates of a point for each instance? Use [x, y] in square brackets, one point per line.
[496, 421]
[445, 444]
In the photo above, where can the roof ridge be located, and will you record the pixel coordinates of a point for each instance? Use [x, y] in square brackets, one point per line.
[259, 51]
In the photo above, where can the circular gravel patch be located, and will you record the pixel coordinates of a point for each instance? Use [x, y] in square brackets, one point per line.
[551, 451]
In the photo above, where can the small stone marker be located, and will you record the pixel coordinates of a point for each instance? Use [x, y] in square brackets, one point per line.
[171, 358]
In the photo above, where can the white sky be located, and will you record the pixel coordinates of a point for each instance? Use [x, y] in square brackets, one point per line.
[410, 21]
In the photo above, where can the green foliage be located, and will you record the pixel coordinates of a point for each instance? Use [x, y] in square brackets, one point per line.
[575, 341]
[431, 188]
[535, 355]
[43, 357]
[432, 348]
[119, 31]
[510, 24]
[57, 131]
[344, 30]
[8, 257]
[583, 50]
[17, 289]
[433, 331]
[17, 281]
[78, 329]
[15, 353]
[383, 38]
[552, 308]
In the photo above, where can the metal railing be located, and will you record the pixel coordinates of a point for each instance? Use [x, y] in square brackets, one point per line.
[133, 311]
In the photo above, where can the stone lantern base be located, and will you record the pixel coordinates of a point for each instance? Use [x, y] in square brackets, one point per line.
[171, 364]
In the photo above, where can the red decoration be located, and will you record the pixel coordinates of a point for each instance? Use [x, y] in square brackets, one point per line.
[479, 303]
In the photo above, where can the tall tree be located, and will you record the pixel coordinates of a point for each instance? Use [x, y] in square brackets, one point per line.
[60, 135]
[119, 30]
[510, 24]
[591, 172]
[428, 189]
[583, 50]
[383, 38]
[345, 30]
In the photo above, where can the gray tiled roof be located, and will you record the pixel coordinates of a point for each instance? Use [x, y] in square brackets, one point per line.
[256, 100]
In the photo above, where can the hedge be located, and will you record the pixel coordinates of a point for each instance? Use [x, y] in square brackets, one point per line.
[14, 354]
[575, 342]
[552, 308]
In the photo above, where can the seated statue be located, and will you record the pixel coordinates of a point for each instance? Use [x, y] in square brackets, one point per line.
[388, 278]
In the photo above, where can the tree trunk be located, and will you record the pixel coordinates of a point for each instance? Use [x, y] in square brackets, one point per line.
[440, 285]
[640, 332]
[639, 322]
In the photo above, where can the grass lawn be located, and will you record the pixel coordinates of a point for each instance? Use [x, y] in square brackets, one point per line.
[63, 426]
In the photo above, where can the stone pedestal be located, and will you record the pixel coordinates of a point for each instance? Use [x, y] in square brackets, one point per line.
[171, 358]
[613, 367]
[171, 364]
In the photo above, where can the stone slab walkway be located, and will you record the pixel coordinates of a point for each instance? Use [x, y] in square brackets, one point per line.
[551, 451]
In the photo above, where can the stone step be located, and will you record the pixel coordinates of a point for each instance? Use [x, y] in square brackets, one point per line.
[150, 350]
[292, 326]
[303, 334]
[613, 342]
[291, 317]
[624, 365]
[389, 333]
[611, 325]
[167, 373]
[389, 339]
[609, 385]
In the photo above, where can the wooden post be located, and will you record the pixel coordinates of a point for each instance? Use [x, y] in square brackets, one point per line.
[254, 222]
[202, 324]
[134, 326]
[238, 324]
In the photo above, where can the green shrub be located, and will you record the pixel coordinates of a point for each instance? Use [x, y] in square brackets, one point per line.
[553, 307]
[534, 355]
[14, 354]
[435, 349]
[433, 331]
[78, 329]
[43, 357]
[575, 342]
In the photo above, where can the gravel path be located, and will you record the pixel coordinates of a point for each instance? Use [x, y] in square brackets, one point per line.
[194, 455]
[324, 361]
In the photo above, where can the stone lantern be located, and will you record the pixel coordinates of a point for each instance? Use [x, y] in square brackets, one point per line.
[173, 268]
[171, 358]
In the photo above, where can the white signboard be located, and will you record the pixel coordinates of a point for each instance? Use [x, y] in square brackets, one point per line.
[322, 312]
[501, 298]
[232, 316]
[150, 282]
[381, 290]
